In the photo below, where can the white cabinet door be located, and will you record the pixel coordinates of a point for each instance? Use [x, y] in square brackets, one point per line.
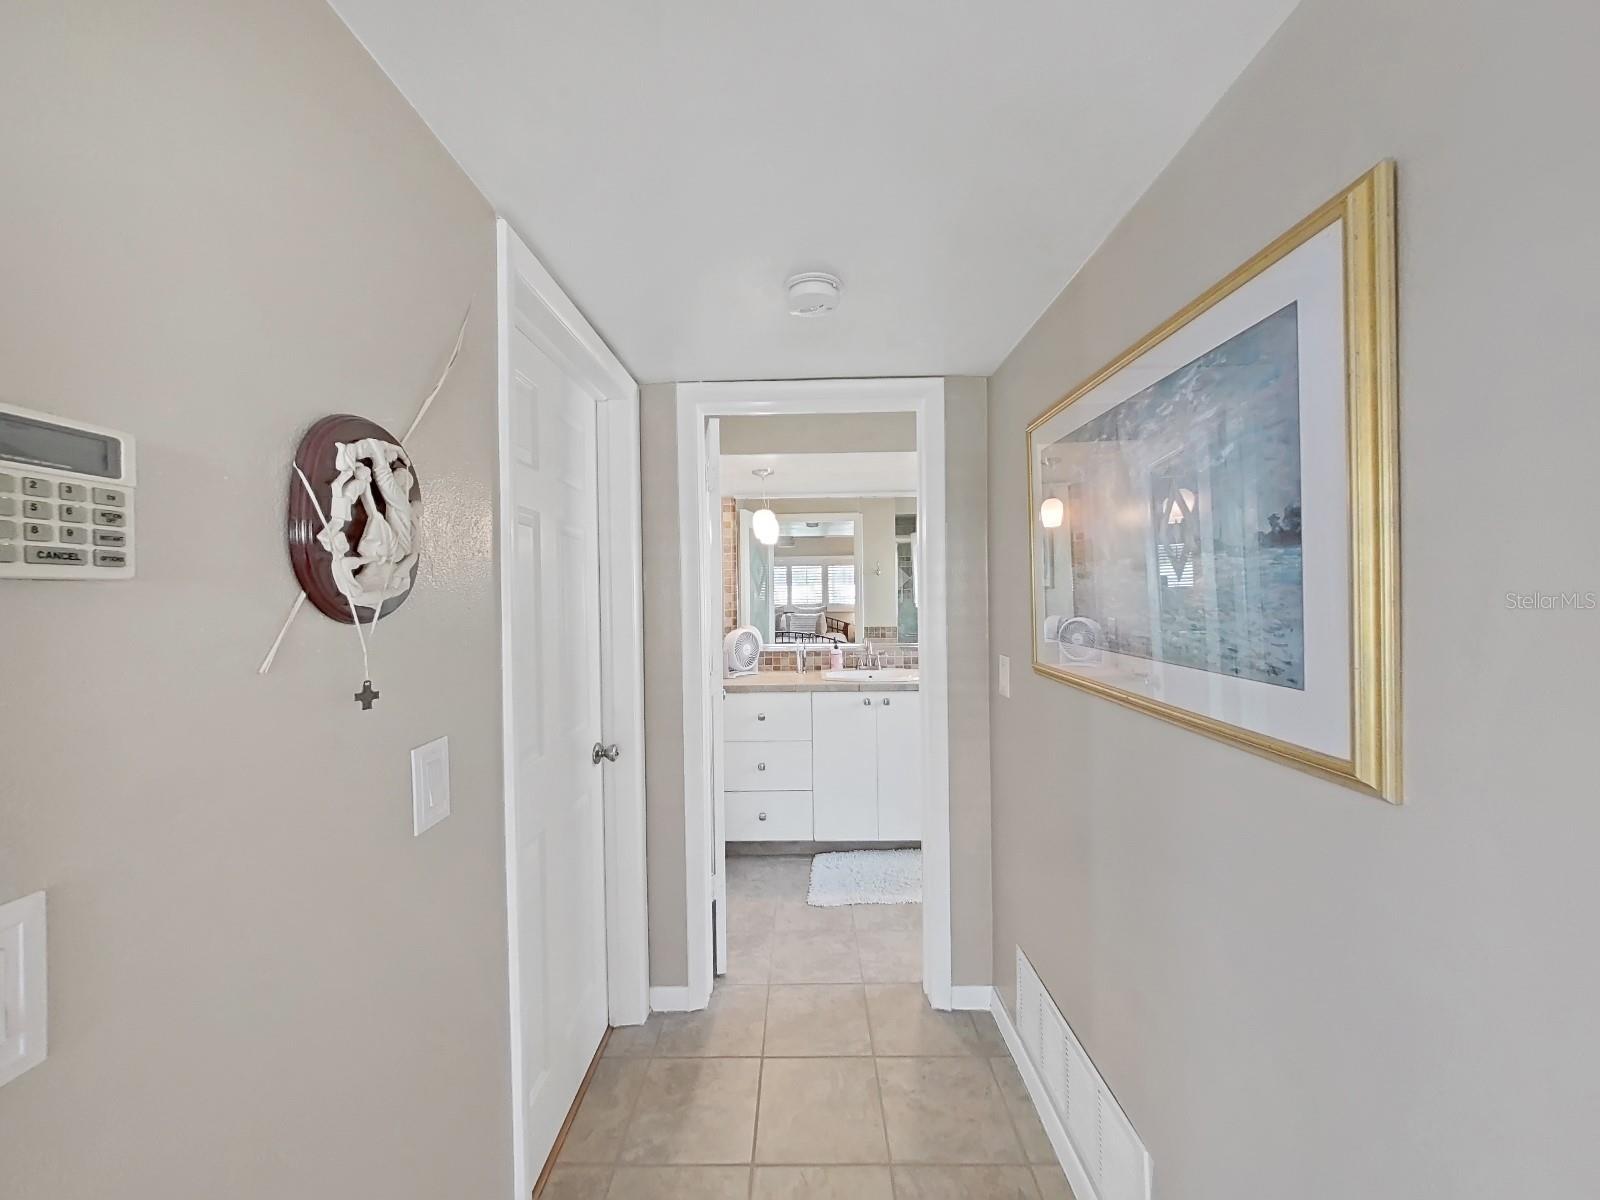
[844, 767]
[899, 766]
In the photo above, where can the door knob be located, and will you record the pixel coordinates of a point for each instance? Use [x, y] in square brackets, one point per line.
[610, 753]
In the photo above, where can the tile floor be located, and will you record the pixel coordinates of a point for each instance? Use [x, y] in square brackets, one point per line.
[818, 1072]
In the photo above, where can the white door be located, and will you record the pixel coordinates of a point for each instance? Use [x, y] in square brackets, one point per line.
[899, 766]
[844, 770]
[557, 875]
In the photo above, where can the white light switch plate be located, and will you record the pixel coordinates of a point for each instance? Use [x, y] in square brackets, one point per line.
[1005, 676]
[24, 1039]
[430, 785]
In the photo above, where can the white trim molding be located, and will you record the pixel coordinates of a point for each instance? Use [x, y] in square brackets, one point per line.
[696, 403]
[528, 296]
[675, 999]
[972, 997]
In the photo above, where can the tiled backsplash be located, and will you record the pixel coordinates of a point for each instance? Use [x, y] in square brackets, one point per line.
[890, 654]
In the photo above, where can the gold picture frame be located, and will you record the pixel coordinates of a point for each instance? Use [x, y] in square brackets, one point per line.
[1369, 758]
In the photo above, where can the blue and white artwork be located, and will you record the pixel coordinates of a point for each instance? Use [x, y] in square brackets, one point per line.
[1180, 541]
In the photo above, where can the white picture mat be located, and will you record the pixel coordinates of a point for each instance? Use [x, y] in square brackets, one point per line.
[1319, 717]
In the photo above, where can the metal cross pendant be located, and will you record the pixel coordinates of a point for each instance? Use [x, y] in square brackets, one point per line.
[366, 695]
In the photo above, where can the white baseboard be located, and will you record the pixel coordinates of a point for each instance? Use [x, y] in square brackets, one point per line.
[676, 999]
[1077, 1173]
[971, 997]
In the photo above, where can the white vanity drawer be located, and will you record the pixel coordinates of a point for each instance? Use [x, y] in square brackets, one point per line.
[768, 816]
[767, 717]
[767, 766]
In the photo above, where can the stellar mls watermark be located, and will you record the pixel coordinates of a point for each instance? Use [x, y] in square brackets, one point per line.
[1553, 601]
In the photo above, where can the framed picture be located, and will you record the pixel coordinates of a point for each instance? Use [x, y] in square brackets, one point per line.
[1214, 514]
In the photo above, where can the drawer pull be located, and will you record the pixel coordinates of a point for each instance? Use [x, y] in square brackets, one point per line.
[761, 716]
[886, 701]
[761, 766]
[868, 701]
[761, 816]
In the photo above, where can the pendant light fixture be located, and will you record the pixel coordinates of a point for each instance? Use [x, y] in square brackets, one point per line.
[764, 522]
[1051, 512]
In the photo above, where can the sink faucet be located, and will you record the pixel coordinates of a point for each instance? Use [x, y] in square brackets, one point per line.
[871, 660]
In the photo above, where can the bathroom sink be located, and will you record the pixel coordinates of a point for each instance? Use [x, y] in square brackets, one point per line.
[879, 675]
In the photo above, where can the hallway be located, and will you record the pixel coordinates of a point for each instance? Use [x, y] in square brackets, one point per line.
[818, 1071]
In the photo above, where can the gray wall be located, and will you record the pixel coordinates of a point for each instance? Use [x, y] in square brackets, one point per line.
[1297, 991]
[967, 465]
[219, 222]
[853, 432]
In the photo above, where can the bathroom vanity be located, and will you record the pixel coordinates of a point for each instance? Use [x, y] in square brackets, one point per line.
[823, 756]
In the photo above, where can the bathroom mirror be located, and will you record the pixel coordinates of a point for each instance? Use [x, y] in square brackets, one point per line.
[841, 571]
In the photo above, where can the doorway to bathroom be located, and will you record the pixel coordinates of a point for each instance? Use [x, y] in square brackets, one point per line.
[816, 771]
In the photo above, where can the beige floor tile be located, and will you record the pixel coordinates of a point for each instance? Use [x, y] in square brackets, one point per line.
[820, 1110]
[822, 1183]
[576, 1183]
[796, 916]
[634, 1041]
[596, 1132]
[1035, 1142]
[945, 1110]
[694, 1110]
[768, 877]
[816, 957]
[990, 1039]
[1053, 1183]
[729, 1027]
[750, 914]
[964, 1183]
[903, 1024]
[890, 955]
[680, 1183]
[814, 1019]
[887, 916]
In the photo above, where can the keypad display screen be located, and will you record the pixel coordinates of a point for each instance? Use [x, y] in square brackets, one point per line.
[41, 444]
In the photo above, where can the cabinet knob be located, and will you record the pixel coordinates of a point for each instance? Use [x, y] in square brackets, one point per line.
[886, 701]
[868, 701]
[761, 766]
[761, 816]
[761, 716]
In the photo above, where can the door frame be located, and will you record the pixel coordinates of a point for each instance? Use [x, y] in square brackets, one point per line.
[526, 295]
[697, 402]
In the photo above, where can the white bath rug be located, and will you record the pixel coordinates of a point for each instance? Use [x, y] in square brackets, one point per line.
[866, 877]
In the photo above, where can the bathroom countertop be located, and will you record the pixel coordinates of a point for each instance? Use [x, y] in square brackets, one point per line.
[810, 681]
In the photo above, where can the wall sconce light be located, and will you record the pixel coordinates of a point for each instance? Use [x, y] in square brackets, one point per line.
[1051, 513]
[764, 522]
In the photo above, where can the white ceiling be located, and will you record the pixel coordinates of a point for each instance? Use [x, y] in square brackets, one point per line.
[673, 163]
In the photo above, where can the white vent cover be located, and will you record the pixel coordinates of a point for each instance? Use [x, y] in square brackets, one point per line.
[1101, 1135]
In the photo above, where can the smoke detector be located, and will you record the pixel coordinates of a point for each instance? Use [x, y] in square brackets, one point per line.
[813, 294]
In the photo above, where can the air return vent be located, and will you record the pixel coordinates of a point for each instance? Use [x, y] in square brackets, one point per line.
[1098, 1131]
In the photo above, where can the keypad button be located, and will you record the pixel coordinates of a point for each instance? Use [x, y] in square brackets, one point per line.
[37, 487]
[8, 483]
[111, 497]
[8, 529]
[57, 556]
[110, 537]
[110, 558]
[74, 514]
[8, 506]
[74, 535]
[38, 510]
[75, 492]
[39, 533]
[111, 517]
[8, 554]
